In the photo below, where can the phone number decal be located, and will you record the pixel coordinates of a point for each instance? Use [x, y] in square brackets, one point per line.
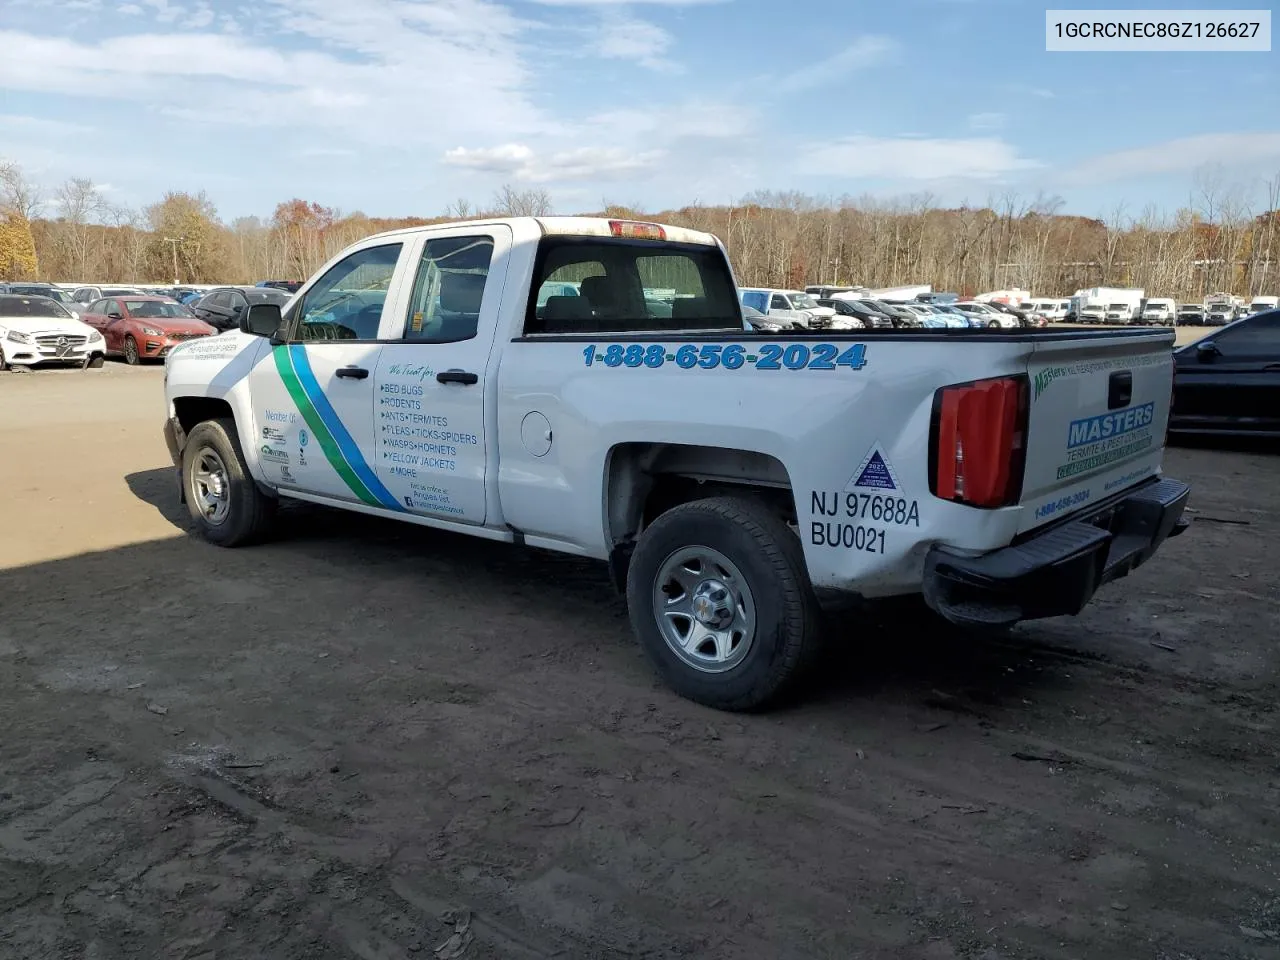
[733, 356]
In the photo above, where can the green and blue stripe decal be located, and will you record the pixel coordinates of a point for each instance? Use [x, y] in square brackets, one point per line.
[342, 452]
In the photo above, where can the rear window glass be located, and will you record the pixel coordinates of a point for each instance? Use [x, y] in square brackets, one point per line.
[617, 286]
[30, 307]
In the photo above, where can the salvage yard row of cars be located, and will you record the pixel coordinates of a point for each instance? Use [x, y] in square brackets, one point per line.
[1226, 383]
[42, 324]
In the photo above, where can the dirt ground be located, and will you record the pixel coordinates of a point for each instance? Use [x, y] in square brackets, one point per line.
[369, 740]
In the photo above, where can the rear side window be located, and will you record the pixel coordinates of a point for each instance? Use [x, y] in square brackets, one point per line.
[448, 290]
[779, 302]
[757, 300]
[630, 286]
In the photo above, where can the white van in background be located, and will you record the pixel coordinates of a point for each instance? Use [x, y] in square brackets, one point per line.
[1263, 304]
[1160, 310]
[785, 306]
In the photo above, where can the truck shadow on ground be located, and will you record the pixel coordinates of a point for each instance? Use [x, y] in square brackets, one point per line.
[895, 649]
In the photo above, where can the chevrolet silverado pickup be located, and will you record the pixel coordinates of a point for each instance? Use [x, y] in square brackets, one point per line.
[728, 479]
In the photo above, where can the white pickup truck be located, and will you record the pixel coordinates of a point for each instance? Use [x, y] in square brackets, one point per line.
[728, 479]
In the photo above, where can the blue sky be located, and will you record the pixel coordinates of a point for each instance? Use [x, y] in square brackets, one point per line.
[399, 107]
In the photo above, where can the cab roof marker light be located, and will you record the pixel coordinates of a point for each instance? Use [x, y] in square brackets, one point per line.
[637, 230]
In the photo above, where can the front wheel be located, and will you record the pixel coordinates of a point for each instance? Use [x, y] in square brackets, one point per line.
[93, 363]
[131, 356]
[225, 504]
[720, 598]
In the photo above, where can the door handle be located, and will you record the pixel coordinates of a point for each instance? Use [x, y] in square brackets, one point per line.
[352, 373]
[457, 376]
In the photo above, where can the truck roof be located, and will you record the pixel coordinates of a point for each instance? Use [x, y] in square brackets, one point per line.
[576, 227]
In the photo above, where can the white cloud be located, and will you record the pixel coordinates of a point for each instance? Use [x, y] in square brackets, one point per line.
[625, 38]
[200, 18]
[521, 162]
[862, 53]
[908, 159]
[1231, 150]
[382, 70]
[986, 121]
[129, 9]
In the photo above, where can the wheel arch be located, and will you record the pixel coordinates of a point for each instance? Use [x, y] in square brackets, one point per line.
[643, 480]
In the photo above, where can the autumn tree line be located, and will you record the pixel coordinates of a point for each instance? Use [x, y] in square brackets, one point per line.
[1215, 244]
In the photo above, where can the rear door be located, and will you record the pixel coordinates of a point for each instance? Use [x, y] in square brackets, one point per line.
[1099, 411]
[431, 386]
[1231, 380]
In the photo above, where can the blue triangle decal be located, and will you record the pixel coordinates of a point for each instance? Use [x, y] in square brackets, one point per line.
[876, 474]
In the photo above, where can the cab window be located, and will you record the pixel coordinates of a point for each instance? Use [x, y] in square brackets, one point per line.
[346, 302]
[630, 286]
[779, 302]
[448, 290]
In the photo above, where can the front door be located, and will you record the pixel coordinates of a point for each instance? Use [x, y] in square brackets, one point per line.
[430, 389]
[313, 394]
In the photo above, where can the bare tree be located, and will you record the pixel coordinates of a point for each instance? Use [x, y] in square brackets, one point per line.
[78, 203]
[18, 195]
[534, 202]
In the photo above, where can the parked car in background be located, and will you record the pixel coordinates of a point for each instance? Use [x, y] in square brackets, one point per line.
[791, 306]
[89, 294]
[1229, 381]
[825, 292]
[1221, 312]
[852, 309]
[901, 316]
[222, 306]
[989, 315]
[757, 322]
[289, 286]
[144, 328]
[1160, 311]
[47, 290]
[1120, 313]
[1190, 315]
[968, 319]
[938, 298]
[1263, 304]
[36, 330]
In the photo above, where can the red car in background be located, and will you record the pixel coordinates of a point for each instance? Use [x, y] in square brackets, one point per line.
[144, 328]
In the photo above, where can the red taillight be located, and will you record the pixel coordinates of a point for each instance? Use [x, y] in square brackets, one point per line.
[634, 228]
[979, 442]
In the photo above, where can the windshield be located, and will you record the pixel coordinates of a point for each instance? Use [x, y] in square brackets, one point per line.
[803, 301]
[1118, 306]
[1192, 310]
[11, 306]
[157, 308]
[120, 291]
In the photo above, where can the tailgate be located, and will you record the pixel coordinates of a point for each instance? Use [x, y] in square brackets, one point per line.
[1099, 409]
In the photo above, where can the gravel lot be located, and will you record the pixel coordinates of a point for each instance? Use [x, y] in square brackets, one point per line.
[368, 740]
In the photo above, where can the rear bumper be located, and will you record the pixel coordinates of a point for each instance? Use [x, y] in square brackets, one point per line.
[1057, 572]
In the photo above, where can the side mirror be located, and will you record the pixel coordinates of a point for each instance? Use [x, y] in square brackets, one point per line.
[1207, 350]
[261, 319]
[115, 316]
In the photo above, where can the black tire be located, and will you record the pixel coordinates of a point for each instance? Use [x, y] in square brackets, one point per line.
[787, 617]
[131, 355]
[94, 363]
[249, 512]
[994, 323]
[4, 364]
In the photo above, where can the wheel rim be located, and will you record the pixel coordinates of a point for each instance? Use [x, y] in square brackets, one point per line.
[130, 351]
[704, 608]
[209, 487]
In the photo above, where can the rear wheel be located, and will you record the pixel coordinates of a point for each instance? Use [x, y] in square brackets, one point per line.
[225, 504]
[131, 356]
[721, 601]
